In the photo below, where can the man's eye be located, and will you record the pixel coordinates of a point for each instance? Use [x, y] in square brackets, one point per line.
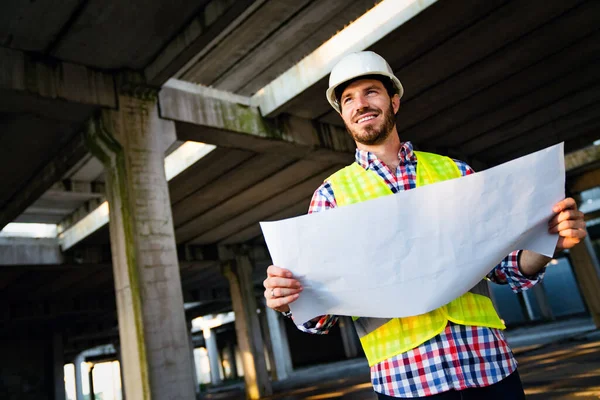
[346, 100]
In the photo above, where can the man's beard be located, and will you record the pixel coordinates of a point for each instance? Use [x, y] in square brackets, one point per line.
[372, 135]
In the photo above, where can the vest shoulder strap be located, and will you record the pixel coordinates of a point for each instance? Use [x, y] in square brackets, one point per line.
[432, 168]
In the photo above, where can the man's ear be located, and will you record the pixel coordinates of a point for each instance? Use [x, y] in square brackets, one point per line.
[396, 103]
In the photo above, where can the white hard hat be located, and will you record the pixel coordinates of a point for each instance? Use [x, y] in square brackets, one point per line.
[359, 64]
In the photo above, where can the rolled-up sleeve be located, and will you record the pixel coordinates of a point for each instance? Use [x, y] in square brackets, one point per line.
[319, 326]
[507, 272]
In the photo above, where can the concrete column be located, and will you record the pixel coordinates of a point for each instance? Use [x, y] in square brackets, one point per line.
[131, 143]
[58, 366]
[193, 360]
[214, 358]
[247, 327]
[266, 336]
[585, 265]
[91, 382]
[542, 300]
[349, 337]
[230, 349]
[121, 377]
[79, 376]
[280, 349]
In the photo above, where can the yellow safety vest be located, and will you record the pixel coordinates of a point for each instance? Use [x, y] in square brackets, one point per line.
[383, 338]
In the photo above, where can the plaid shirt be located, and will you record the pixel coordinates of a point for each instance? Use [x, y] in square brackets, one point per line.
[461, 356]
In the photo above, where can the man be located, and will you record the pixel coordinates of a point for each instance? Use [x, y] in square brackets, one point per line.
[449, 353]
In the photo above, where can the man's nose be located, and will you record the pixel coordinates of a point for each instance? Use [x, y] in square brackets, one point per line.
[360, 102]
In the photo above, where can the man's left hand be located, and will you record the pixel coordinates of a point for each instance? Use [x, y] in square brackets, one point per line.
[569, 223]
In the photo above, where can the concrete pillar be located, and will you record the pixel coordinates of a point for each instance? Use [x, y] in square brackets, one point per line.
[585, 265]
[58, 366]
[230, 351]
[247, 327]
[528, 306]
[193, 360]
[266, 336]
[281, 363]
[79, 376]
[121, 377]
[214, 358]
[91, 382]
[349, 337]
[542, 300]
[131, 143]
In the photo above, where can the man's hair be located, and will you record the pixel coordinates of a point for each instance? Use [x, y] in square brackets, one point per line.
[387, 83]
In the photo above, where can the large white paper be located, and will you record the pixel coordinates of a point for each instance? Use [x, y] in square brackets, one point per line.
[415, 251]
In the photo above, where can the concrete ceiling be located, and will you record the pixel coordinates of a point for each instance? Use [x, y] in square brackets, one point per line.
[485, 82]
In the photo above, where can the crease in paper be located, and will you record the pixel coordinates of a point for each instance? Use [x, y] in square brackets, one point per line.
[417, 250]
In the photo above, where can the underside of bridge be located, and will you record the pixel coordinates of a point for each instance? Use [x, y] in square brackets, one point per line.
[95, 96]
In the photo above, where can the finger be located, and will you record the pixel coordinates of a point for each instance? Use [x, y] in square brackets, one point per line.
[281, 301]
[565, 215]
[272, 270]
[274, 282]
[568, 224]
[568, 203]
[573, 233]
[283, 292]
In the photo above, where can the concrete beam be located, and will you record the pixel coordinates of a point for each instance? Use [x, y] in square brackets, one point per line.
[29, 251]
[262, 24]
[228, 120]
[58, 201]
[54, 170]
[22, 72]
[359, 35]
[214, 22]
[587, 180]
[582, 158]
[76, 227]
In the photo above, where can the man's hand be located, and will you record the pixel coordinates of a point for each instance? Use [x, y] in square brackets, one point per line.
[281, 288]
[568, 223]
[570, 226]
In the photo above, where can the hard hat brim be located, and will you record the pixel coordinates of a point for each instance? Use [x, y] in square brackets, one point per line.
[330, 93]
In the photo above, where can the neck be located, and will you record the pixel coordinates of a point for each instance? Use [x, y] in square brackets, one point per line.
[386, 151]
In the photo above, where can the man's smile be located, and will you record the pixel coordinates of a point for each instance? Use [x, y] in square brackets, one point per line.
[366, 117]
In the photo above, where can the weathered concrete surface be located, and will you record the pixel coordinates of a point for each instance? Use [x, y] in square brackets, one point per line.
[587, 271]
[227, 120]
[29, 251]
[214, 358]
[57, 80]
[247, 327]
[362, 33]
[43, 180]
[278, 346]
[216, 20]
[152, 325]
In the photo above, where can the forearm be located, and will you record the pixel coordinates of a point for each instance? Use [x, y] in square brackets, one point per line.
[531, 263]
[509, 272]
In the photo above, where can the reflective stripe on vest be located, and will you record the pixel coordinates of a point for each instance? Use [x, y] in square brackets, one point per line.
[383, 338]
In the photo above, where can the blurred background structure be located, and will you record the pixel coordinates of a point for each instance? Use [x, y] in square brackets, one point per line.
[141, 142]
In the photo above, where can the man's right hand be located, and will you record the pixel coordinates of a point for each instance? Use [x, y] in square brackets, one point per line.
[281, 288]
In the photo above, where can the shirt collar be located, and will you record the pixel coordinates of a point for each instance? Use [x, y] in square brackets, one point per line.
[406, 155]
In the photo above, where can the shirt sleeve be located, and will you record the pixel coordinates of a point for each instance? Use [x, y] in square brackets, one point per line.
[323, 199]
[507, 272]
